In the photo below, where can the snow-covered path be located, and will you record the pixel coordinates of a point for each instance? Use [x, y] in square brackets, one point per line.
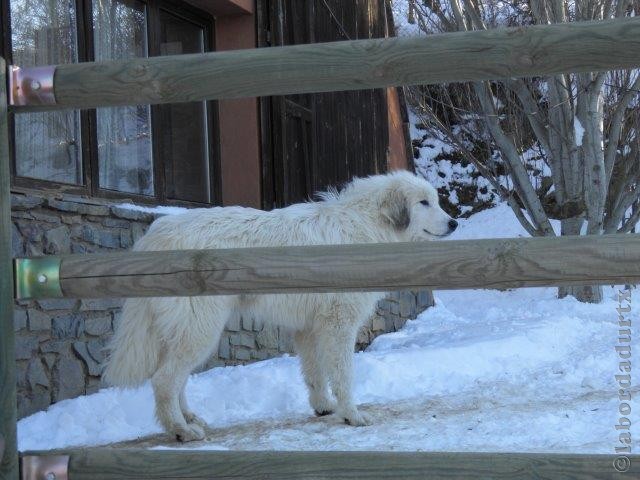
[482, 371]
[469, 423]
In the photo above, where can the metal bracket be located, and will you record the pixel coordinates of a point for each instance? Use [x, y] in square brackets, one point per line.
[31, 86]
[44, 467]
[37, 277]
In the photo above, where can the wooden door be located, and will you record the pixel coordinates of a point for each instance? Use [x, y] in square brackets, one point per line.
[313, 141]
[292, 116]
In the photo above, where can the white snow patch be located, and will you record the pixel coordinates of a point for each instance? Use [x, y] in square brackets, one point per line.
[163, 210]
[578, 131]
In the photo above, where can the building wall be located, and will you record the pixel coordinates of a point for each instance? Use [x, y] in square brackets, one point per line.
[239, 125]
[60, 344]
[239, 120]
[397, 155]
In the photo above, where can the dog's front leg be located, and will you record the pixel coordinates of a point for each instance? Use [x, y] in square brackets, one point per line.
[315, 376]
[336, 339]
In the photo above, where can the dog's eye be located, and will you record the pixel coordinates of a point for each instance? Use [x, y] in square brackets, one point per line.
[424, 202]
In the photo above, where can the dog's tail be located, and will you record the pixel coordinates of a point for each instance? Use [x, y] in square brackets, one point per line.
[134, 347]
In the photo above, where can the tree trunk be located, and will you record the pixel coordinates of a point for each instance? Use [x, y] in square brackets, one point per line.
[583, 293]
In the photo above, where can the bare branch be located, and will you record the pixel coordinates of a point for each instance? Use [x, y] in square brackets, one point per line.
[615, 126]
[629, 224]
[621, 7]
[457, 13]
[474, 15]
[531, 110]
[510, 156]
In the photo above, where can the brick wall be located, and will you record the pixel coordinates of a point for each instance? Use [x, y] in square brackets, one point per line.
[60, 343]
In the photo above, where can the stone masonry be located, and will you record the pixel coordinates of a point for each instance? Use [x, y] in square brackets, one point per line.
[60, 344]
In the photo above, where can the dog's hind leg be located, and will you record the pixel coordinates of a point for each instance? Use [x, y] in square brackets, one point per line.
[191, 330]
[167, 382]
[189, 416]
[306, 343]
[336, 341]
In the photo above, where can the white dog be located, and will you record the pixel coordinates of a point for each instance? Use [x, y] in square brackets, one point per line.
[165, 339]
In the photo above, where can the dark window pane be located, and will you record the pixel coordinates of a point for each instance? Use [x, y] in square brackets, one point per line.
[125, 158]
[183, 127]
[47, 146]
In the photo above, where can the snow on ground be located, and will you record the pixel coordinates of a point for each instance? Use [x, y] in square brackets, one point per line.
[482, 371]
[160, 210]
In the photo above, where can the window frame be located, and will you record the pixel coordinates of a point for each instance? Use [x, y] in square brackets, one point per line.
[88, 117]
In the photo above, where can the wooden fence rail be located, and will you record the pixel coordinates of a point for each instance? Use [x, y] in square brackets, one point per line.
[115, 464]
[460, 264]
[351, 65]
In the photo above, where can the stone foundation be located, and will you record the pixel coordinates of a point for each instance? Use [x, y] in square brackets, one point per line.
[60, 343]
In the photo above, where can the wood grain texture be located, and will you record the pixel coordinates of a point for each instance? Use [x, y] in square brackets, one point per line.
[8, 412]
[352, 65]
[107, 464]
[461, 264]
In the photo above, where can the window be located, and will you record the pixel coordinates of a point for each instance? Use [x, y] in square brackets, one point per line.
[159, 153]
[48, 145]
[125, 160]
[182, 125]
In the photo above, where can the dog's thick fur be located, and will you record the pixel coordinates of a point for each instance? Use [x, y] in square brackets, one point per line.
[165, 339]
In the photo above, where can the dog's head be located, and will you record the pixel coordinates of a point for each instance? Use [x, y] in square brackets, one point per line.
[409, 205]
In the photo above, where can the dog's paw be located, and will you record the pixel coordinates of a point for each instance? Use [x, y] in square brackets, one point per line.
[357, 419]
[322, 413]
[191, 417]
[190, 433]
[322, 405]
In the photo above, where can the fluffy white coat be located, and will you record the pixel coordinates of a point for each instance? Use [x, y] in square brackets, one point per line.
[165, 339]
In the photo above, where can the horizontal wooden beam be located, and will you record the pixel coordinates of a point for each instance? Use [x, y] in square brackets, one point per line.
[460, 264]
[108, 464]
[351, 65]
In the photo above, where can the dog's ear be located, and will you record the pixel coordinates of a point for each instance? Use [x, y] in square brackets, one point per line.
[394, 208]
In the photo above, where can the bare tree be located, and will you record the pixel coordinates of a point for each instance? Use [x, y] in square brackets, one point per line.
[584, 127]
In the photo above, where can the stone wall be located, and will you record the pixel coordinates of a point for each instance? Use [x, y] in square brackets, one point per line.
[60, 343]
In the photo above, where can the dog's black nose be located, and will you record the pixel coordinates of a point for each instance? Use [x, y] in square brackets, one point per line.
[453, 225]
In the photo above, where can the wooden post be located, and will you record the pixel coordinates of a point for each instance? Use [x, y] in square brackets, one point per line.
[351, 65]
[458, 264]
[8, 413]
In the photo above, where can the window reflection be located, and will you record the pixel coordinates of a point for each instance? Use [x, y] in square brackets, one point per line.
[125, 158]
[47, 146]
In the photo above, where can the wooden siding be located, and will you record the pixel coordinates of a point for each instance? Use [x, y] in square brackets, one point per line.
[317, 140]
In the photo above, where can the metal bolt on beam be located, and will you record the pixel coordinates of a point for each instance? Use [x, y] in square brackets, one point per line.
[45, 467]
[37, 277]
[31, 86]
